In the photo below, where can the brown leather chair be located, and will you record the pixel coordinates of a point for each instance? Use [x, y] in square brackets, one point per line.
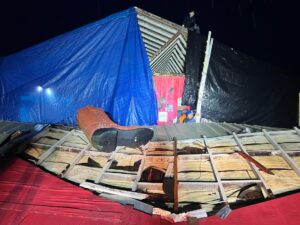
[105, 135]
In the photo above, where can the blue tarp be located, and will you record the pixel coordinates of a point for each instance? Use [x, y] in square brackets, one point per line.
[103, 64]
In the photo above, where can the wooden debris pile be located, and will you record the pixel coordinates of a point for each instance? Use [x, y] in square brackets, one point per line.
[211, 172]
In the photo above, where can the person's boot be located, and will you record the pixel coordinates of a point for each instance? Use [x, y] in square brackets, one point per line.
[105, 135]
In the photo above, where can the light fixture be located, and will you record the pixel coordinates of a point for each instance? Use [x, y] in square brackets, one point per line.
[49, 91]
[39, 88]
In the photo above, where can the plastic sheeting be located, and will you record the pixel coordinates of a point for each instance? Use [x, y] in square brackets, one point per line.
[169, 91]
[244, 90]
[103, 64]
[193, 68]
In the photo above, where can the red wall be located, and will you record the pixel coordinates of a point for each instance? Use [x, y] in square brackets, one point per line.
[169, 89]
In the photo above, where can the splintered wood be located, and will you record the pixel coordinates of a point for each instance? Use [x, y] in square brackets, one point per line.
[133, 169]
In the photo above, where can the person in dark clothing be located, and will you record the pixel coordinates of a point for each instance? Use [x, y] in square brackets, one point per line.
[189, 22]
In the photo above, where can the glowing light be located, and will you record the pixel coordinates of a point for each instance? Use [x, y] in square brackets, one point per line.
[39, 88]
[49, 91]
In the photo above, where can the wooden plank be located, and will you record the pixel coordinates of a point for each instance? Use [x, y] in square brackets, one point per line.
[74, 162]
[252, 162]
[169, 171]
[286, 157]
[240, 181]
[150, 187]
[233, 167]
[103, 189]
[67, 148]
[197, 185]
[266, 190]
[140, 171]
[62, 148]
[215, 170]
[107, 165]
[141, 206]
[53, 148]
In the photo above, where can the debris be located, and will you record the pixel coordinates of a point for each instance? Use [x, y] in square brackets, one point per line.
[141, 206]
[224, 211]
[100, 189]
[255, 162]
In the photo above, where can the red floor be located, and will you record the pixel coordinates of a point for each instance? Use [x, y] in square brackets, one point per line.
[28, 195]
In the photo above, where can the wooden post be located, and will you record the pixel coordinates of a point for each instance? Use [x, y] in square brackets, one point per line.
[175, 174]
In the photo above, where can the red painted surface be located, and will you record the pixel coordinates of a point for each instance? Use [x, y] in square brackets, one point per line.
[31, 196]
[169, 90]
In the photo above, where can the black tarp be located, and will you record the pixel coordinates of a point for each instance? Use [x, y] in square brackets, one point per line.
[193, 67]
[242, 89]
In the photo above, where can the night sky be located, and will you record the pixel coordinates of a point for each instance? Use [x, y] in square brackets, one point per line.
[265, 29]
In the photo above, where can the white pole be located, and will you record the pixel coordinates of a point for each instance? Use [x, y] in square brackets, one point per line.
[204, 75]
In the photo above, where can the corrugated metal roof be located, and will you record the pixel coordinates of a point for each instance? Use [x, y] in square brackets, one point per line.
[7, 128]
[165, 42]
[166, 132]
[196, 130]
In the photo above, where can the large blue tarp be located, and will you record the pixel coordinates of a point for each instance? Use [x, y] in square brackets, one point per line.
[103, 64]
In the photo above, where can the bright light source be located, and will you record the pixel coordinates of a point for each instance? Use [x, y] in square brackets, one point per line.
[39, 88]
[49, 91]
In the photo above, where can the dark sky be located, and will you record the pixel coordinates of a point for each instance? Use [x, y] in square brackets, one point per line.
[265, 29]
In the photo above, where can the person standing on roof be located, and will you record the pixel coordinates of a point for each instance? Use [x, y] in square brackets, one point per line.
[189, 22]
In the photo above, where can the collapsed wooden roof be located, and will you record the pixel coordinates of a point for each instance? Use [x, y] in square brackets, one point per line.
[206, 178]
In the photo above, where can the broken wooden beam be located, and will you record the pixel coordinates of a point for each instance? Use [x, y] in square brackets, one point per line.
[103, 189]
